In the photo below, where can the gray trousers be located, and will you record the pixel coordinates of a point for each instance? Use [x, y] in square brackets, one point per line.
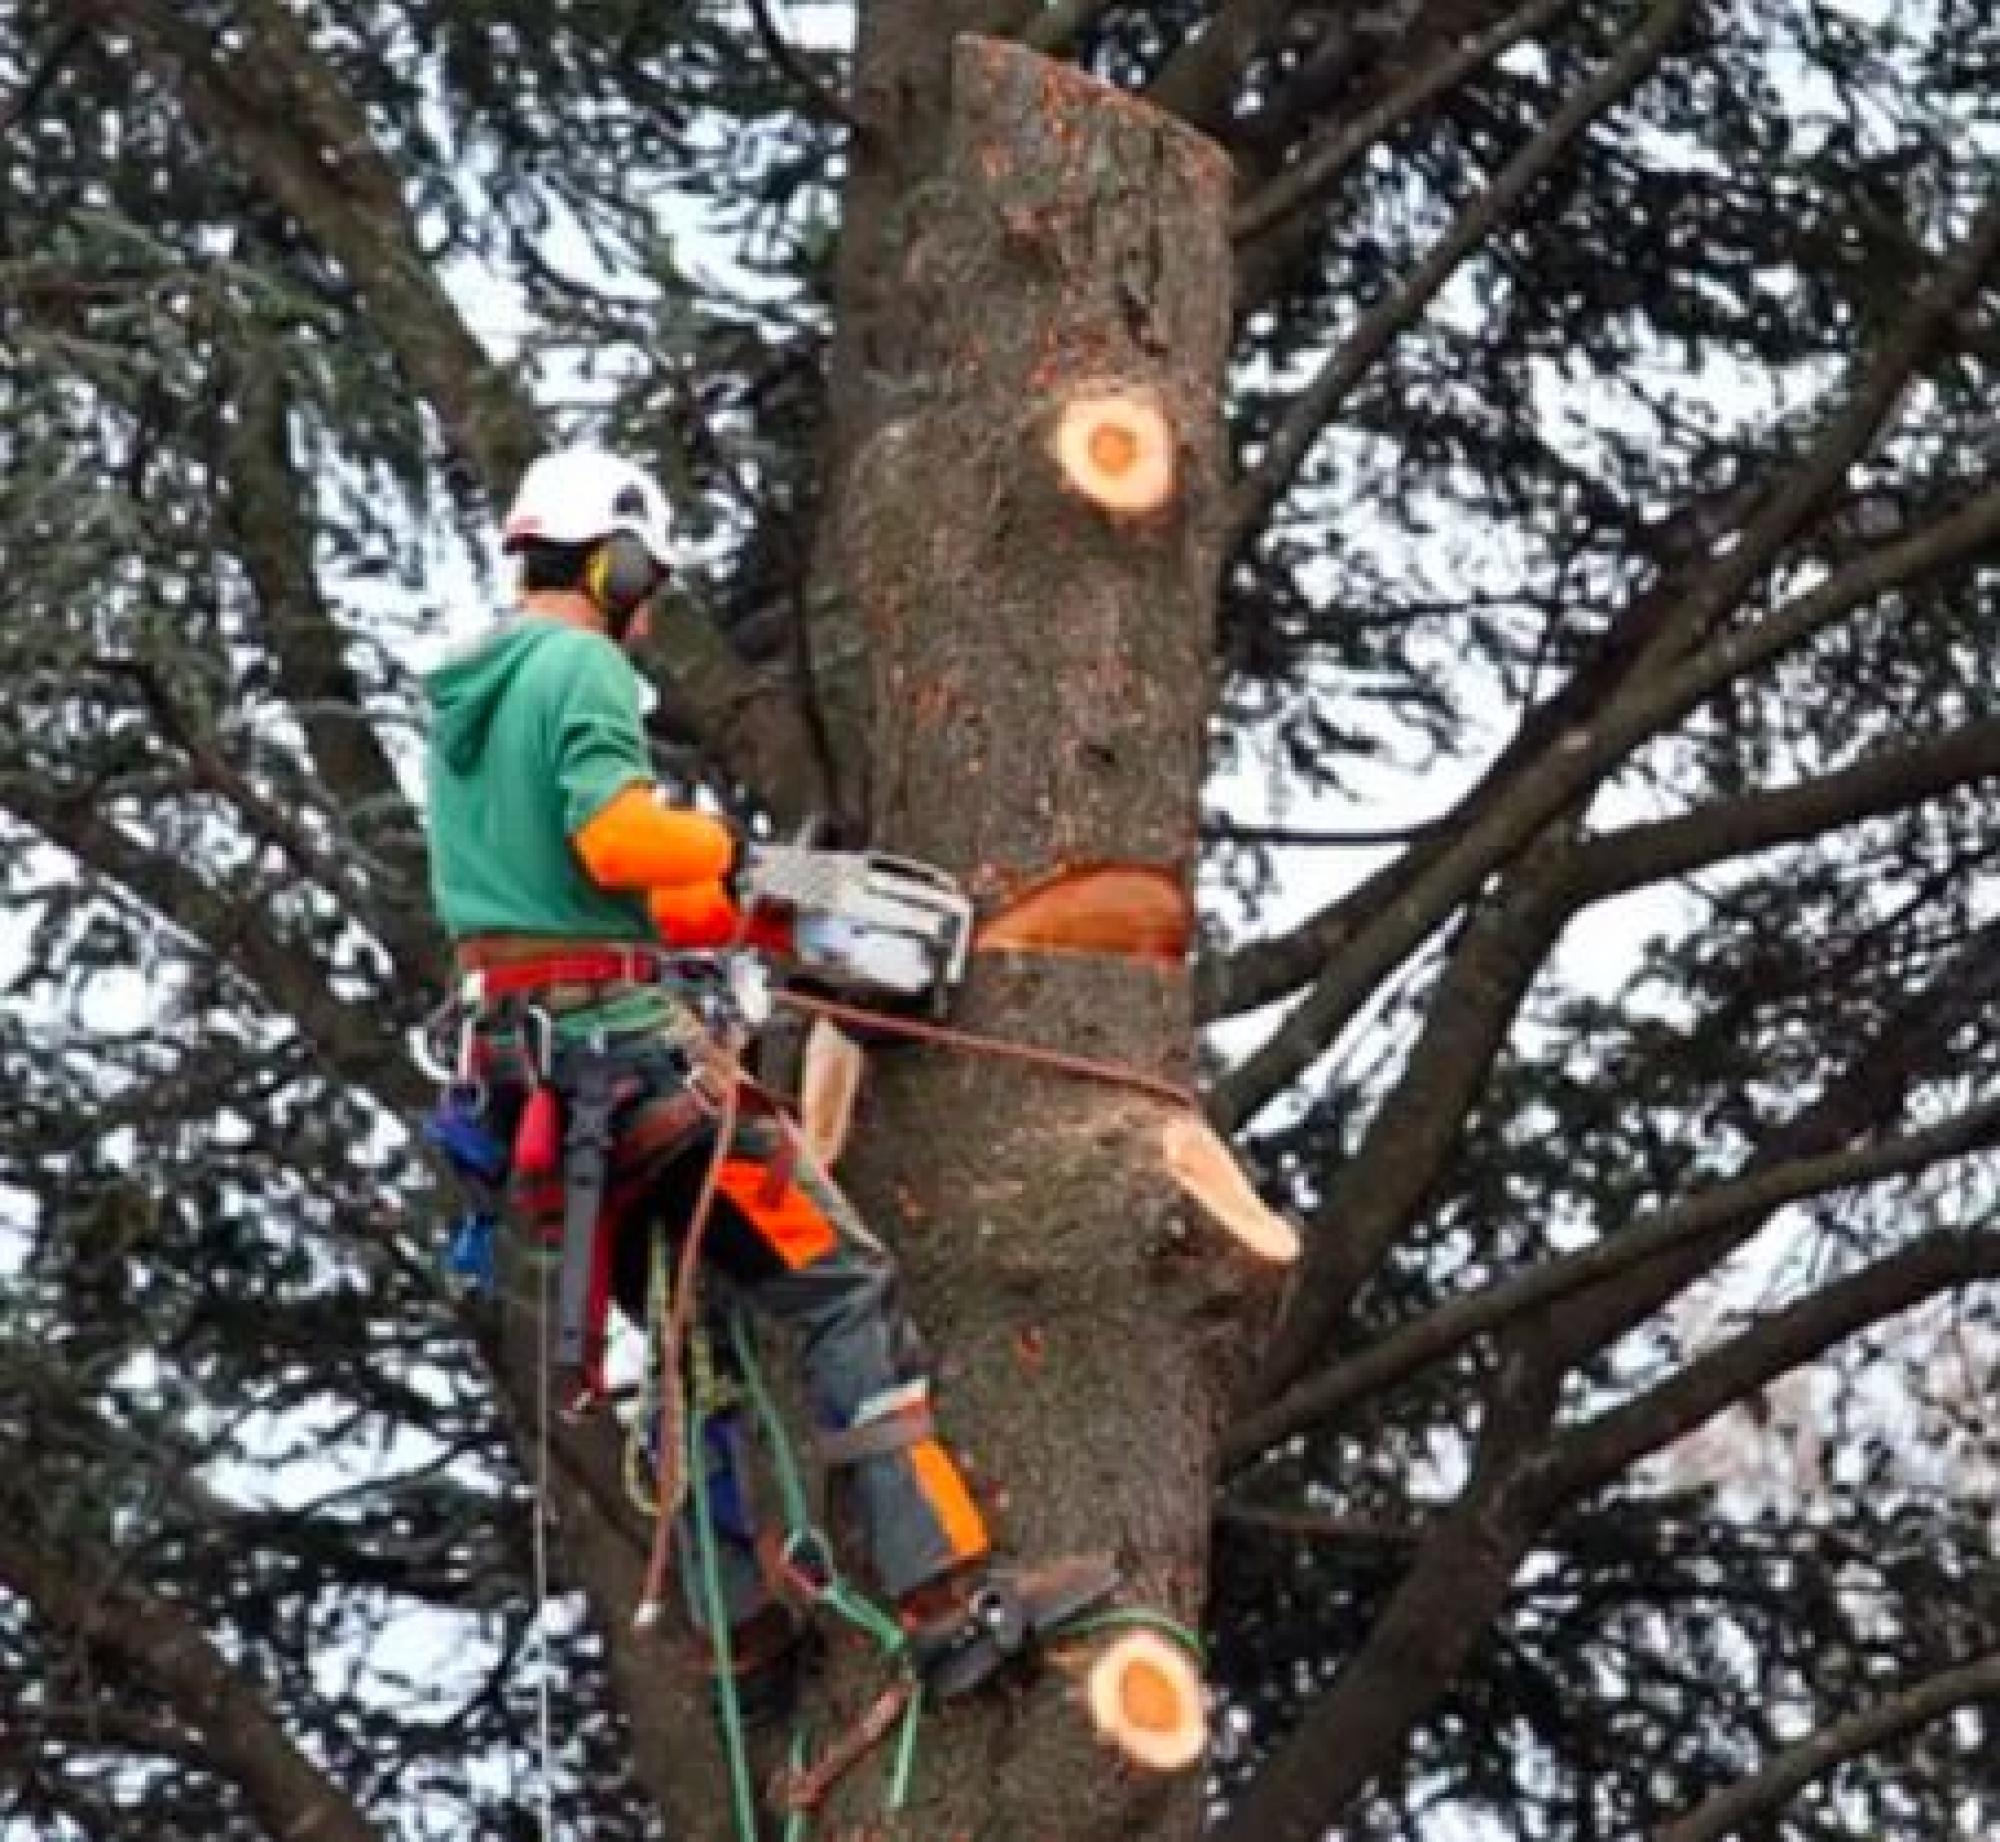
[795, 1252]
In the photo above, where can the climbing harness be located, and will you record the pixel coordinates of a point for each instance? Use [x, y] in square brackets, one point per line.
[566, 1124]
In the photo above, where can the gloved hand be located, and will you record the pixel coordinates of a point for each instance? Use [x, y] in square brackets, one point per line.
[847, 952]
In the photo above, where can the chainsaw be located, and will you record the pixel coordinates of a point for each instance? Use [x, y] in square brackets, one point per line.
[866, 920]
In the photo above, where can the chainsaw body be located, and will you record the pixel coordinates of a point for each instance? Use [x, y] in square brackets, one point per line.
[866, 920]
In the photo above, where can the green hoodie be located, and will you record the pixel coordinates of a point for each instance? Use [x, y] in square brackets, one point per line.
[534, 728]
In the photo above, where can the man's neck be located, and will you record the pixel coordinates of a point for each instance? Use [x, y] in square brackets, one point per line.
[571, 606]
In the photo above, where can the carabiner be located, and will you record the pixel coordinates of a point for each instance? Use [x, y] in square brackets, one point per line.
[465, 1070]
[538, 1042]
[427, 1045]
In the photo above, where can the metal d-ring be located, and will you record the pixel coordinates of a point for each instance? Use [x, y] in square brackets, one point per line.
[426, 1048]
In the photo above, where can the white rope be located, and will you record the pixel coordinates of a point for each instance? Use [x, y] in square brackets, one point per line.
[543, 1379]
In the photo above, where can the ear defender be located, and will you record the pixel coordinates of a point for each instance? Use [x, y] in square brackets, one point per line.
[620, 575]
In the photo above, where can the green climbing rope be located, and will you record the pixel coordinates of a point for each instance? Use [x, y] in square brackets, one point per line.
[1135, 1617]
[742, 1794]
[831, 1589]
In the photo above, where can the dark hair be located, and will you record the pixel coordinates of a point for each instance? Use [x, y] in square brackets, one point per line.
[552, 565]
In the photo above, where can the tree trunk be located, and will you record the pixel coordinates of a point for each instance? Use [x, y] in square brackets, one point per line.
[1040, 685]
[1040, 690]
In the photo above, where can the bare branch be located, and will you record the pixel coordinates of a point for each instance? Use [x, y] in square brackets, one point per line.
[1320, 168]
[825, 99]
[1320, 400]
[1723, 1209]
[75, 1591]
[1055, 30]
[1886, 782]
[1731, 1811]
[1370, 1532]
[1574, 760]
[1228, 831]
[1600, 1449]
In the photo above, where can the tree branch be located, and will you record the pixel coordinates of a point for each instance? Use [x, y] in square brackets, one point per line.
[792, 64]
[1320, 168]
[1454, 1585]
[1574, 760]
[1462, 1571]
[1914, 1043]
[1596, 1452]
[243, 1740]
[1201, 78]
[47, 69]
[270, 523]
[1370, 1532]
[1739, 1807]
[1382, 1188]
[1228, 831]
[350, 1037]
[284, 114]
[209, 769]
[1055, 30]
[1638, 855]
[1317, 404]
[1723, 1209]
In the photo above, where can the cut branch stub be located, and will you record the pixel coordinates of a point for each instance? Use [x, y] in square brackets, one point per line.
[828, 1088]
[1121, 910]
[1113, 445]
[1146, 1699]
[1204, 1166]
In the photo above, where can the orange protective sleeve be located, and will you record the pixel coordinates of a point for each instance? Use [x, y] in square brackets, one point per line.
[633, 842]
[702, 915]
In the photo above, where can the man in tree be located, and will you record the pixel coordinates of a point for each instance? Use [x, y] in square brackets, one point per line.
[565, 883]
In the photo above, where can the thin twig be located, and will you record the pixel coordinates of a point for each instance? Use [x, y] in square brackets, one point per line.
[1732, 1810]
[1055, 30]
[40, 78]
[1227, 831]
[1318, 402]
[1310, 1525]
[1318, 171]
[826, 100]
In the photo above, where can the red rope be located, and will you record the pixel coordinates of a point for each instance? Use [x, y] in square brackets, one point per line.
[673, 1432]
[1034, 1055]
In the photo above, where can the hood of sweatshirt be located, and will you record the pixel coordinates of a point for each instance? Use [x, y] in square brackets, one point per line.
[466, 687]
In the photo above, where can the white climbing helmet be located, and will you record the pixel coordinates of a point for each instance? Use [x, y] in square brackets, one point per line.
[577, 495]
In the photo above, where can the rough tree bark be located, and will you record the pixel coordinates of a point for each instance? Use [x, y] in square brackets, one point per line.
[1040, 677]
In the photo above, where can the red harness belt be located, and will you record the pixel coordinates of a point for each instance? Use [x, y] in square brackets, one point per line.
[633, 965]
